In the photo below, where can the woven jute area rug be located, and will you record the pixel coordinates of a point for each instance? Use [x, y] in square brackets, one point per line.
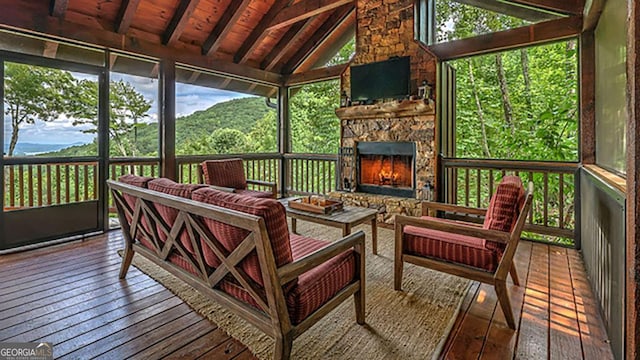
[412, 324]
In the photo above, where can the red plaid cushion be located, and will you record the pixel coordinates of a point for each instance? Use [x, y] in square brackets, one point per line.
[320, 284]
[315, 287]
[457, 248]
[139, 181]
[226, 173]
[168, 214]
[504, 208]
[231, 236]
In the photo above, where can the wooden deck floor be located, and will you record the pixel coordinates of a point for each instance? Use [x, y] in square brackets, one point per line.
[70, 295]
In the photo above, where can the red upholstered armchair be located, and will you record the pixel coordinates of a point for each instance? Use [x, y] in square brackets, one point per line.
[228, 175]
[482, 253]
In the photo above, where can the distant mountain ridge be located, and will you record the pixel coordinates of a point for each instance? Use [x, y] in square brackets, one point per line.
[27, 148]
[240, 114]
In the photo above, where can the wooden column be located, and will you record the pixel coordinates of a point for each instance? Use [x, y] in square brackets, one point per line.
[3, 236]
[103, 144]
[587, 98]
[633, 182]
[167, 121]
[284, 136]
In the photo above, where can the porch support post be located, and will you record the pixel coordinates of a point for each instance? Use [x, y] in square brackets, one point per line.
[633, 183]
[3, 236]
[103, 145]
[167, 121]
[587, 98]
[284, 136]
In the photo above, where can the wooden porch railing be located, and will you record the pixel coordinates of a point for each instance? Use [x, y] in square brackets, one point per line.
[471, 182]
[138, 166]
[310, 173]
[36, 182]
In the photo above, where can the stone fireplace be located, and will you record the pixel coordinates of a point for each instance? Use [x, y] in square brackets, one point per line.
[385, 29]
[386, 168]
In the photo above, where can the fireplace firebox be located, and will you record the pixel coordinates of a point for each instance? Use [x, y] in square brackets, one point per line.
[386, 168]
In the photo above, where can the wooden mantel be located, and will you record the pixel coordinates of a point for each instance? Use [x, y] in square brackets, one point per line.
[392, 109]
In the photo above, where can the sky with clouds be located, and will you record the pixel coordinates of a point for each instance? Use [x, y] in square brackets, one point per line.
[189, 98]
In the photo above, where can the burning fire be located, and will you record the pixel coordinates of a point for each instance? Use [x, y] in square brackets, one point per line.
[387, 177]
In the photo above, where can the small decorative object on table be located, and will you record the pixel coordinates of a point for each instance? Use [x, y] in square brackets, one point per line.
[316, 204]
[424, 91]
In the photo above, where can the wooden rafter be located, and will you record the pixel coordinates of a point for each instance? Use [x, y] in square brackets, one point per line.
[520, 12]
[509, 39]
[331, 24]
[125, 15]
[572, 7]
[31, 17]
[592, 14]
[179, 21]
[50, 49]
[58, 7]
[288, 40]
[259, 32]
[303, 10]
[325, 73]
[231, 15]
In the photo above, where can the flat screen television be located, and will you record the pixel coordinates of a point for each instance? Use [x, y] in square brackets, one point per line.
[381, 80]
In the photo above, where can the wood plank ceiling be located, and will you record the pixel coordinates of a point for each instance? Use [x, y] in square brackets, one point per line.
[280, 36]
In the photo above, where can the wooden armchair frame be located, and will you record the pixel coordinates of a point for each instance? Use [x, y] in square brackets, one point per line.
[273, 317]
[496, 278]
[267, 185]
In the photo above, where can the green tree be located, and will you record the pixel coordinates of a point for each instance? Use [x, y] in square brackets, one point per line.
[35, 93]
[127, 109]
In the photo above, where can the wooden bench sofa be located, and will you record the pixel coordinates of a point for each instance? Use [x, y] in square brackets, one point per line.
[238, 250]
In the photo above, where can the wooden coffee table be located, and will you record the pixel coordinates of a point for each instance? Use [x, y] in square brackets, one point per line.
[345, 219]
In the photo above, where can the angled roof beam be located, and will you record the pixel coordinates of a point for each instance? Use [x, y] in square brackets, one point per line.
[179, 21]
[58, 7]
[229, 18]
[509, 39]
[259, 32]
[571, 7]
[125, 15]
[303, 10]
[50, 49]
[592, 14]
[330, 25]
[517, 11]
[285, 44]
[325, 73]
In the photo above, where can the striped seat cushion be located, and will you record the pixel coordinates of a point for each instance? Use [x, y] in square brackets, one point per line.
[230, 236]
[315, 287]
[504, 208]
[456, 248]
[168, 214]
[139, 181]
[225, 173]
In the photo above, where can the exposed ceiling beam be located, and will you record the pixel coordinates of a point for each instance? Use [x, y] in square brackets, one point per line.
[155, 70]
[330, 46]
[194, 76]
[592, 14]
[325, 73]
[125, 15]
[50, 49]
[520, 12]
[30, 16]
[287, 41]
[333, 22]
[571, 7]
[112, 60]
[179, 21]
[303, 10]
[509, 39]
[229, 18]
[58, 7]
[258, 33]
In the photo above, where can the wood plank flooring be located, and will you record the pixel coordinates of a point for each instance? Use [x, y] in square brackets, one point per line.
[71, 295]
